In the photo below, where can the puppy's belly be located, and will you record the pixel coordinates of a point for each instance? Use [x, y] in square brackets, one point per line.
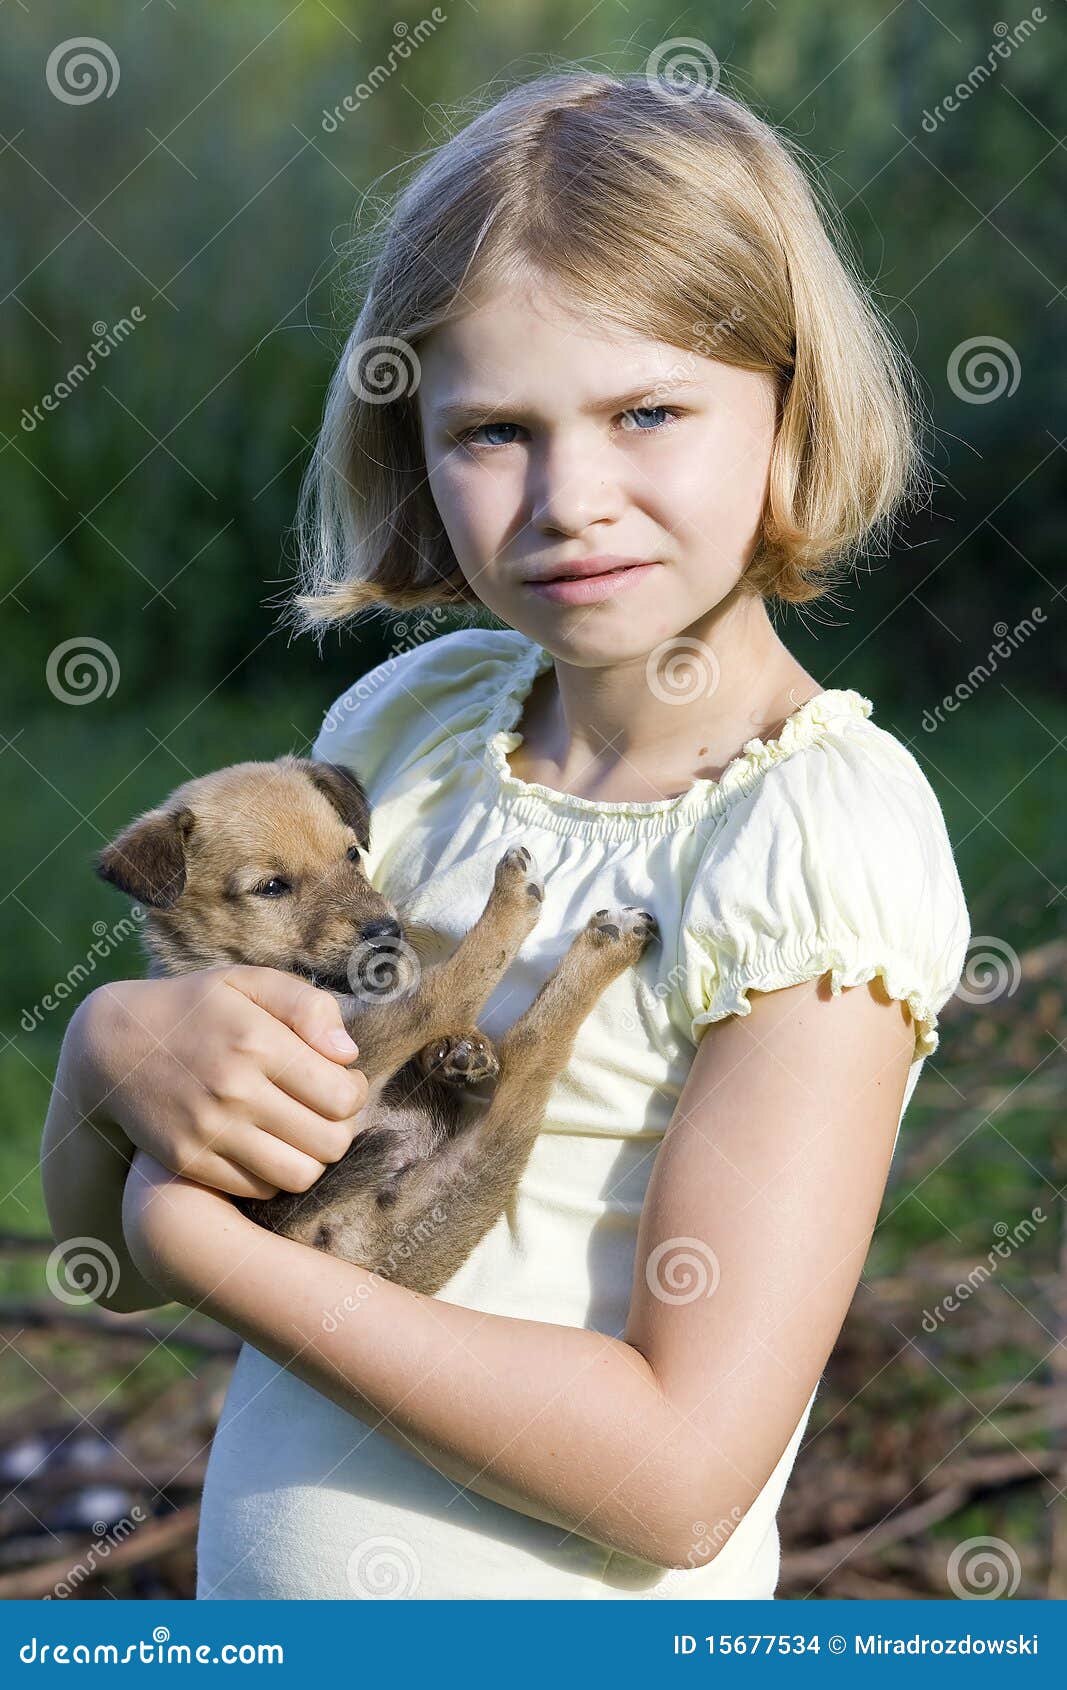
[347, 1210]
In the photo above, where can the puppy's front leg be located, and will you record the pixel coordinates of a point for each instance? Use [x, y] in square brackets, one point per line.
[443, 1207]
[538, 1046]
[450, 994]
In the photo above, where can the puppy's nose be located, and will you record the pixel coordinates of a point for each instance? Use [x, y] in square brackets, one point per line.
[382, 931]
[461, 1058]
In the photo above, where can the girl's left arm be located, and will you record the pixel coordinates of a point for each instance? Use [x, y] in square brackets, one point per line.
[754, 1230]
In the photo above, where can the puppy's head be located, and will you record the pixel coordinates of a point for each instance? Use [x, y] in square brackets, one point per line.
[257, 863]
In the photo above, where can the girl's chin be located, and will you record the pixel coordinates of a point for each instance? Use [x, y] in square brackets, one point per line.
[599, 641]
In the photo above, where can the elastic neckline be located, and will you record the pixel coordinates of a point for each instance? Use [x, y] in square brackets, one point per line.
[566, 812]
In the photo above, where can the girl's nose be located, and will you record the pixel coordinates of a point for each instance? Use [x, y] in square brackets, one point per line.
[573, 490]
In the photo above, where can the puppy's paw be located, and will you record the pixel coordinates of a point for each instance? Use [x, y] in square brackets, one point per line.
[516, 872]
[628, 926]
[464, 1059]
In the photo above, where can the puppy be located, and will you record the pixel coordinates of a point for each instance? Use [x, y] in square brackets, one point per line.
[262, 863]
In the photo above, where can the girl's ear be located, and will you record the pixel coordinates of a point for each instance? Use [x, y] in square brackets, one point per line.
[147, 860]
[346, 794]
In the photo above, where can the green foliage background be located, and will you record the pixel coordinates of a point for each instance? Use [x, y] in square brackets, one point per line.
[151, 508]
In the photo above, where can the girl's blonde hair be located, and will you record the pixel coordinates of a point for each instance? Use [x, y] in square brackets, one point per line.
[678, 214]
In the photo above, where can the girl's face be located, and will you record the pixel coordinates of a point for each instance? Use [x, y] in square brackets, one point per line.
[601, 494]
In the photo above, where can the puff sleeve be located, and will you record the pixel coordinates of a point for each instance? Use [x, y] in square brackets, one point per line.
[417, 708]
[837, 861]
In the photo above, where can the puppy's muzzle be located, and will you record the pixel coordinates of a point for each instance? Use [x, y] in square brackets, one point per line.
[382, 933]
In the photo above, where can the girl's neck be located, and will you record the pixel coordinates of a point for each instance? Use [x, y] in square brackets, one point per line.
[639, 730]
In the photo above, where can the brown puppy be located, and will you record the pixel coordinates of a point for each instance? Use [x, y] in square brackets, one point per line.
[262, 863]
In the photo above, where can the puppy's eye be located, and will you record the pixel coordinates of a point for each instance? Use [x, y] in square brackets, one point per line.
[353, 853]
[273, 888]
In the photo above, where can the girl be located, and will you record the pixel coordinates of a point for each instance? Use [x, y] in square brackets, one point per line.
[612, 382]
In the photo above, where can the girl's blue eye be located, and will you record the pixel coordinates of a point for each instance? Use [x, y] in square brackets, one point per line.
[665, 411]
[485, 426]
[648, 411]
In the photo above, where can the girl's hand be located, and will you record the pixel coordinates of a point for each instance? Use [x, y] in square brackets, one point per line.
[237, 1078]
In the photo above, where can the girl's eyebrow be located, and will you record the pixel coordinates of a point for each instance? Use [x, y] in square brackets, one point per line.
[459, 411]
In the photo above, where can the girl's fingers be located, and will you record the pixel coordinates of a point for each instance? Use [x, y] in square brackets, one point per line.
[322, 1087]
[223, 1174]
[283, 1143]
[311, 1013]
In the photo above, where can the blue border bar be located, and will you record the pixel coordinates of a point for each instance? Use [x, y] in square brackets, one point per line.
[511, 1644]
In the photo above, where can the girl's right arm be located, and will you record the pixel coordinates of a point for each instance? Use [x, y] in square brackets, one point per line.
[237, 1078]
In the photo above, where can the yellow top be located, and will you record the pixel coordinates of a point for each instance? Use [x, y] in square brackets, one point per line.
[824, 850]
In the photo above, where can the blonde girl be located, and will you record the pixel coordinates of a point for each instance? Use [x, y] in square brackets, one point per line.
[612, 381]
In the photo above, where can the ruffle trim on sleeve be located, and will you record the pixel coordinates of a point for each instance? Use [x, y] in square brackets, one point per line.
[730, 996]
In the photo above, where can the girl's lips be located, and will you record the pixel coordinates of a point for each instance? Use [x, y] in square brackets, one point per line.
[593, 587]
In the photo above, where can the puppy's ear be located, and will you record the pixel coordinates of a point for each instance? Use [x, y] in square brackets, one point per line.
[147, 860]
[345, 793]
